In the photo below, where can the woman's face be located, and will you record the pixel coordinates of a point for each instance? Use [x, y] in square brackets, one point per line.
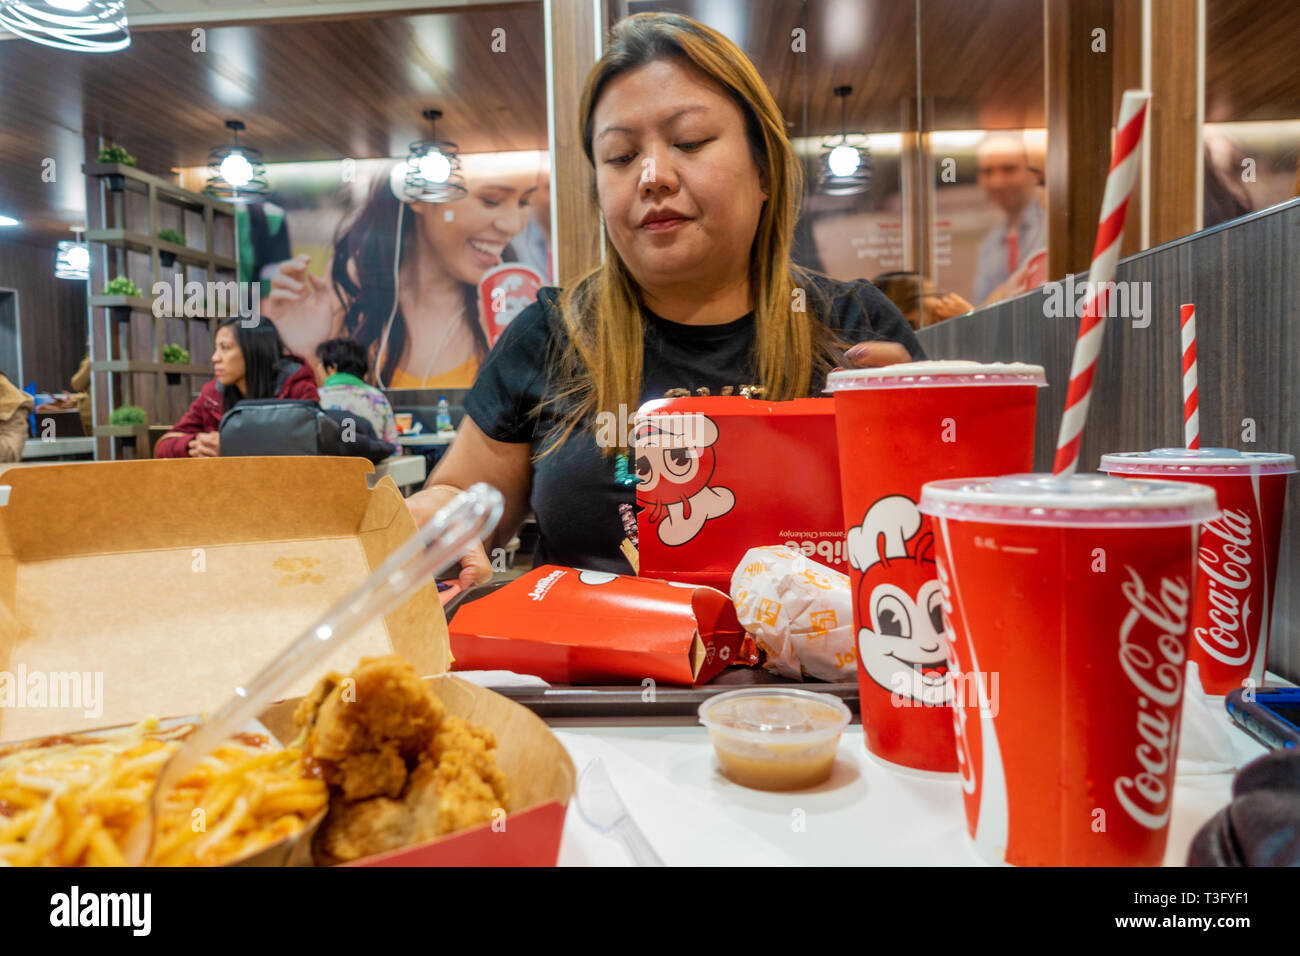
[227, 359]
[678, 187]
[469, 234]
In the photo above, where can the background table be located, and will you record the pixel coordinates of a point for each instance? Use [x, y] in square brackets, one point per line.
[57, 447]
[426, 439]
[406, 470]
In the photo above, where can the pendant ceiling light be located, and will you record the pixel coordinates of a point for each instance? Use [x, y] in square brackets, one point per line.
[73, 260]
[82, 26]
[236, 172]
[845, 161]
[433, 168]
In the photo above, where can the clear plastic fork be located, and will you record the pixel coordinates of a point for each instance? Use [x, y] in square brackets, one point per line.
[435, 546]
[601, 806]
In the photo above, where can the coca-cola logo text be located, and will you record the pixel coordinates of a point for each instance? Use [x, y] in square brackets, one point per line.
[1154, 666]
[965, 763]
[1228, 569]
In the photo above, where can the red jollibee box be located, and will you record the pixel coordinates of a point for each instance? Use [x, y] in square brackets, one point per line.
[568, 626]
[721, 475]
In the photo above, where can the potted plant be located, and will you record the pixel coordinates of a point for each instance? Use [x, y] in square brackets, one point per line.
[168, 259]
[175, 355]
[131, 416]
[116, 154]
[122, 285]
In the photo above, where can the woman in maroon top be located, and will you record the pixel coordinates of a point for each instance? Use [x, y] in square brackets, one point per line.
[250, 363]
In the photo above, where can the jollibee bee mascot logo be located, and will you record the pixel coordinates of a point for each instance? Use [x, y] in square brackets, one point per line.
[674, 465]
[901, 641]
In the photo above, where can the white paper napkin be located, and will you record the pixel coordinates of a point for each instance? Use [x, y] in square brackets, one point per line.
[496, 679]
[683, 830]
[1203, 742]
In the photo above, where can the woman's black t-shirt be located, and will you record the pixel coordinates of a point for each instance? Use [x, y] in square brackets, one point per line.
[584, 502]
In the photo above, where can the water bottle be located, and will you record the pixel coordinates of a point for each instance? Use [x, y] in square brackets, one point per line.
[443, 419]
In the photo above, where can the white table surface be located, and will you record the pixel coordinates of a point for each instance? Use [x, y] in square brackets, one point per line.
[405, 470]
[426, 439]
[866, 814]
[52, 447]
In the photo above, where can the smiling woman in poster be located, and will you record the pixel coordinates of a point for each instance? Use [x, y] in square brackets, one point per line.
[432, 335]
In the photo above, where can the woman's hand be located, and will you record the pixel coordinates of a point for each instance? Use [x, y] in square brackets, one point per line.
[302, 305]
[876, 354]
[205, 445]
[473, 457]
[475, 568]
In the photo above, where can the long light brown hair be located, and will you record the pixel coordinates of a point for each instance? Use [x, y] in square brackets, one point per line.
[599, 367]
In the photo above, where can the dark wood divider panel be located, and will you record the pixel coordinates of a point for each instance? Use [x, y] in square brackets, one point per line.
[1244, 278]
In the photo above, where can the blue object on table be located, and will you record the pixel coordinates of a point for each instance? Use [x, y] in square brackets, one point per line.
[30, 389]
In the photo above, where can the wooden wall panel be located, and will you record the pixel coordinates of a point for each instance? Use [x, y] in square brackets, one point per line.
[1250, 60]
[1241, 277]
[573, 30]
[51, 313]
[1174, 124]
[1078, 96]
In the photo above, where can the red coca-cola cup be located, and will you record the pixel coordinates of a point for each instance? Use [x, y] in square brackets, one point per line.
[504, 291]
[897, 428]
[1068, 602]
[1237, 558]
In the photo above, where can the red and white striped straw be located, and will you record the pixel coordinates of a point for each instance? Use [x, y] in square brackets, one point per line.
[1124, 163]
[1191, 414]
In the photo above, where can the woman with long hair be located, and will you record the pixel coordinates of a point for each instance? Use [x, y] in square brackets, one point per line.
[698, 186]
[249, 361]
[403, 280]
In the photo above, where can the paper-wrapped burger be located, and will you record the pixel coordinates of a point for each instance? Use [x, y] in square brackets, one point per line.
[799, 612]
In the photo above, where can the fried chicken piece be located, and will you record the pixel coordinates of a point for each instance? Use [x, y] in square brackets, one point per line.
[304, 715]
[366, 731]
[353, 830]
[470, 784]
[400, 771]
[460, 788]
[371, 773]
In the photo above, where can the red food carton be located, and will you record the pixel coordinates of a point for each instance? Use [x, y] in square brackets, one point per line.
[718, 476]
[568, 626]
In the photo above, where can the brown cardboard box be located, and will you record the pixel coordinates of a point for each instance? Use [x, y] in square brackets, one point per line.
[158, 586]
[178, 580]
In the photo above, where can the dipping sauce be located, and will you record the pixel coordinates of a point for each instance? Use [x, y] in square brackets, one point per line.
[773, 739]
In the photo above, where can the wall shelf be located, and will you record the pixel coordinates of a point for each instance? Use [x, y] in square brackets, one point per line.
[131, 302]
[137, 180]
[127, 209]
[142, 366]
[146, 244]
[122, 431]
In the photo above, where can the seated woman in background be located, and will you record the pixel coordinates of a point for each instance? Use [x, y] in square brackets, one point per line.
[341, 370]
[249, 363]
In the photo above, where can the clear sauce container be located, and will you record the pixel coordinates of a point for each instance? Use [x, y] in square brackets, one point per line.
[775, 739]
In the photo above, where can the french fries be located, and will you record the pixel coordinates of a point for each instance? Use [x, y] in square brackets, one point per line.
[72, 801]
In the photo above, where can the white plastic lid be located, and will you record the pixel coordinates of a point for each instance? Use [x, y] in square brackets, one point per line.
[775, 715]
[1199, 461]
[1093, 500]
[937, 374]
